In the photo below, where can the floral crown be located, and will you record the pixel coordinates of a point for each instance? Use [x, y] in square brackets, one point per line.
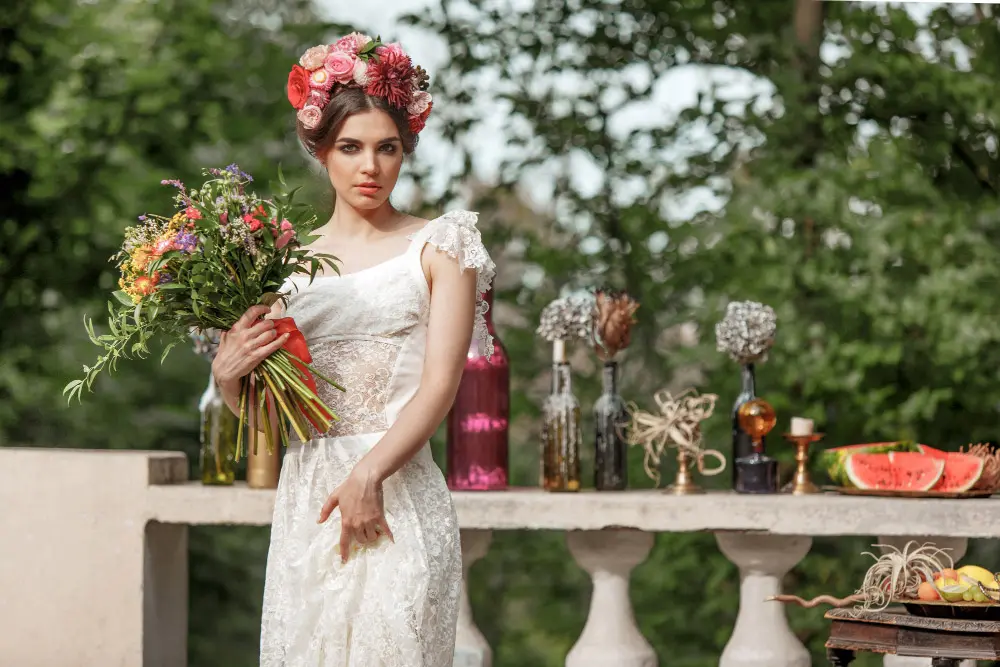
[358, 61]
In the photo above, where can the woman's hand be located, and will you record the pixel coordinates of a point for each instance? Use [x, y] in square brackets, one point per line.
[242, 348]
[362, 513]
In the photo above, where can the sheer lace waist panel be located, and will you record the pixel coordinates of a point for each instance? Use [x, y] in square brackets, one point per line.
[365, 368]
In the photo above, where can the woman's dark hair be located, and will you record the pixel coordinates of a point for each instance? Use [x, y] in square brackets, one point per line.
[346, 102]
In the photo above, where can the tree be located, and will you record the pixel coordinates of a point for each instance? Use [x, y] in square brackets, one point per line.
[857, 194]
[99, 102]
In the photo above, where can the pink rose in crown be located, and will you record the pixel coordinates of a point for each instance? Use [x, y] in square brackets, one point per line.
[360, 72]
[309, 116]
[352, 43]
[340, 66]
[314, 57]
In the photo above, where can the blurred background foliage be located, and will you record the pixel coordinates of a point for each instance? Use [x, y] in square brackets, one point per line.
[855, 191]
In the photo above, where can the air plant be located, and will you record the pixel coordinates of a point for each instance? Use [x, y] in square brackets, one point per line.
[990, 479]
[895, 575]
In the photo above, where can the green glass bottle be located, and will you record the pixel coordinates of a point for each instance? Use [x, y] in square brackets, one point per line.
[217, 436]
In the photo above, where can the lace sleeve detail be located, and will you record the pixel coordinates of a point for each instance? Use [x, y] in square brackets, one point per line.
[456, 234]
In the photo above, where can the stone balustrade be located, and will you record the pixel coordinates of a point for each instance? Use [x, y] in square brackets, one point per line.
[93, 555]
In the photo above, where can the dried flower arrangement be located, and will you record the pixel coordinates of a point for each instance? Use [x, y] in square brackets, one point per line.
[613, 318]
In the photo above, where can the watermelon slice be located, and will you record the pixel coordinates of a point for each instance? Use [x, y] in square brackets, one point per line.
[833, 459]
[927, 450]
[961, 472]
[893, 471]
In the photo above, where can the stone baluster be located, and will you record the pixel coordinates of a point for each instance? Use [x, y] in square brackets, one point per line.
[761, 637]
[957, 547]
[471, 648]
[610, 637]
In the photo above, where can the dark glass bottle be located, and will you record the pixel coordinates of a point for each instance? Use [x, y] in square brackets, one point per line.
[477, 442]
[610, 424]
[561, 435]
[742, 444]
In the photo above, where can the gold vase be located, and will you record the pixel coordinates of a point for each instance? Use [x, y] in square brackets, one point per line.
[263, 467]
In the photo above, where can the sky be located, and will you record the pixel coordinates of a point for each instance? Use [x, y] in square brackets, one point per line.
[676, 90]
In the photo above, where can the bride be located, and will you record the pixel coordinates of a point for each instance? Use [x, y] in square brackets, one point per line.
[364, 567]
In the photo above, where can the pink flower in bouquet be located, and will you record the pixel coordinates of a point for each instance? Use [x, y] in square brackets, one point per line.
[164, 245]
[287, 234]
[391, 77]
[192, 213]
[340, 66]
[313, 58]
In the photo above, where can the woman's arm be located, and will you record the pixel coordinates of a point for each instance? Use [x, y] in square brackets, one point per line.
[449, 332]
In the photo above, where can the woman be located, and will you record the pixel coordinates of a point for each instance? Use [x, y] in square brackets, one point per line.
[364, 568]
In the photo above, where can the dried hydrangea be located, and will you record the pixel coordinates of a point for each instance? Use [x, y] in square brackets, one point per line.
[747, 331]
[567, 317]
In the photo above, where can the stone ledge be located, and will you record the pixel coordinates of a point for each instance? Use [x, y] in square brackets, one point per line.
[654, 511]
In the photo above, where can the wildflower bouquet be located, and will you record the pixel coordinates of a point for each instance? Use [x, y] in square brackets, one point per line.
[223, 251]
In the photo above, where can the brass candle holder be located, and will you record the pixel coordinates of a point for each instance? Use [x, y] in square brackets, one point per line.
[801, 484]
[684, 484]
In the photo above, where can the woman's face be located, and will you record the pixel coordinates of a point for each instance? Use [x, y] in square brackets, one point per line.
[365, 159]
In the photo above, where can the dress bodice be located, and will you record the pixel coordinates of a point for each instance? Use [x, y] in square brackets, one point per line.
[367, 329]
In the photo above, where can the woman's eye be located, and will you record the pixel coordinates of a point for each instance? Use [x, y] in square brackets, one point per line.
[388, 148]
[348, 148]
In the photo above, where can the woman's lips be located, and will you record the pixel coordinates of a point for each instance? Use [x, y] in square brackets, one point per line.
[368, 188]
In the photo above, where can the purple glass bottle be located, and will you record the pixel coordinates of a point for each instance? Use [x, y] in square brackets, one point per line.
[477, 423]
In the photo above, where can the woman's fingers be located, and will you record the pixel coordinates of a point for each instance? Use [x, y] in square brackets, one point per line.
[262, 336]
[253, 313]
[264, 351]
[383, 526]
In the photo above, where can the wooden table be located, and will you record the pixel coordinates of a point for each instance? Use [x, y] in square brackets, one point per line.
[945, 641]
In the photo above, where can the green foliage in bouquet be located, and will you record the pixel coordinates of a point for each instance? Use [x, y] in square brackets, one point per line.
[223, 251]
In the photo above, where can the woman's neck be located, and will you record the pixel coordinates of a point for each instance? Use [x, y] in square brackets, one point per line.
[350, 222]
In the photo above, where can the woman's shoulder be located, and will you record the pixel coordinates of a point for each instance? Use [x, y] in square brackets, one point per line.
[449, 218]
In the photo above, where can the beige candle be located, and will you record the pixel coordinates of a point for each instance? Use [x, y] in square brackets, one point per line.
[802, 426]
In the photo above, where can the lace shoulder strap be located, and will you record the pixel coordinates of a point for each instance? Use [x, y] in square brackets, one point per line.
[455, 233]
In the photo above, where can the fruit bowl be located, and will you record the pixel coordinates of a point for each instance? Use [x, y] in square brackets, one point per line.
[965, 611]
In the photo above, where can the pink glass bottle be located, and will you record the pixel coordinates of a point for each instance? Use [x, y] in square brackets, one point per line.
[477, 423]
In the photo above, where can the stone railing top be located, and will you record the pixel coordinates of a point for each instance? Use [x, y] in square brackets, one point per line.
[649, 510]
[158, 480]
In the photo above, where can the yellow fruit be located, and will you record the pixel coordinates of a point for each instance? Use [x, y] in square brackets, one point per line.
[980, 574]
[953, 590]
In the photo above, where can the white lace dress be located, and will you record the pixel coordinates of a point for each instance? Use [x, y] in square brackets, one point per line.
[392, 604]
